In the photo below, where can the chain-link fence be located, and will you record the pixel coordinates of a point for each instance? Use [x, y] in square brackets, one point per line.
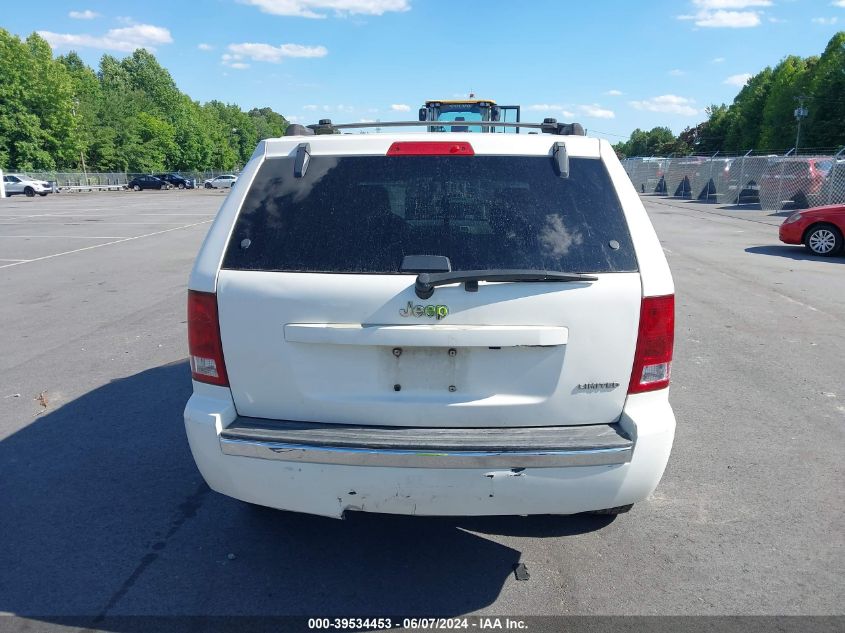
[775, 182]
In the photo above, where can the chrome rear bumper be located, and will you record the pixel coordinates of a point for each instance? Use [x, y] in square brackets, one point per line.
[535, 447]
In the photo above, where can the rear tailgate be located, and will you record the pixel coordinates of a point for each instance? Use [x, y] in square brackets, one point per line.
[319, 324]
[524, 354]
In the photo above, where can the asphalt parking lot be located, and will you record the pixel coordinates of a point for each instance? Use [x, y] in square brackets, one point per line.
[103, 513]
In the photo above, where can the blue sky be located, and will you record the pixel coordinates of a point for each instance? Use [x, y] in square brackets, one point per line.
[613, 65]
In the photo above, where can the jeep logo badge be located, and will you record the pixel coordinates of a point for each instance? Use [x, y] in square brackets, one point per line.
[430, 311]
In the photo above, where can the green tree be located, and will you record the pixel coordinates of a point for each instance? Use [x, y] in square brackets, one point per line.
[37, 124]
[86, 98]
[152, 145]
[789, 80]
[658, 141]
[268, 124]
[237, 130]
[825, 126]
[144, 74]
[194, 137]
[710, 136]
[745, 123]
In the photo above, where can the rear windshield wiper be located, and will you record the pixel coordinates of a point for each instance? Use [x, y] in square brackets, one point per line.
[427, 282]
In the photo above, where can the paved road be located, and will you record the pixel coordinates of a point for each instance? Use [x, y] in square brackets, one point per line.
[103, 512]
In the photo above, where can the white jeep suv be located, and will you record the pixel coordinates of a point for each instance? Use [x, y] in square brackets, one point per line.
[433, 324]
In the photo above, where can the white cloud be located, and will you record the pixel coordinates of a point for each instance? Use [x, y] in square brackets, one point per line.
[596, 111]
[727, 13]
[677, 72]
[125, 39]
[233, 61]
[724, 19]
[824, 21]
[400, 107]
[544, 107]
[320, 8]
[205, 47]
[88, 14]
[274, 54]
[838, 3]
[731, 4]
[550, 108]
[717, 60]
[738, 80]
[614, 93]
[328, 108]
[671, 104]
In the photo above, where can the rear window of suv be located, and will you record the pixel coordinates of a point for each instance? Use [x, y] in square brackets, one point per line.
[362, 214]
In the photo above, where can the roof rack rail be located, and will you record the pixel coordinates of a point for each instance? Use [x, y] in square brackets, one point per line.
[325, 126]
[295, 129]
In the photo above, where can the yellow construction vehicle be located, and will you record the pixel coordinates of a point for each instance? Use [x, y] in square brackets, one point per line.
[464, 112]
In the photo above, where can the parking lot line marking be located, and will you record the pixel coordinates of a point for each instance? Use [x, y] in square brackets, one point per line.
[88, 248]
[795, 301]
[3, 259]
[33, 215]
[96, 215]
[72, 237]
[80, 224]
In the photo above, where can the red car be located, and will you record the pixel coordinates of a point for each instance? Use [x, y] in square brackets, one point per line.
[820, 229]
[796, 180]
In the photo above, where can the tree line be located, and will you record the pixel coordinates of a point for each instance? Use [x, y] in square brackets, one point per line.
[761, 116]
[57, 113]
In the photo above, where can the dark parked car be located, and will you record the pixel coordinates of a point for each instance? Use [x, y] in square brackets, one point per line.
[180, 182]
[147, 182]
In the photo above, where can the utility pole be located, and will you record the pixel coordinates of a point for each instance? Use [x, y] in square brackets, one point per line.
[800, 113]
[84, 170]
[81, 152]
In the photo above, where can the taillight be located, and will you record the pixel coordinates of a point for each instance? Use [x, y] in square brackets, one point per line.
[430, 148]
[656, 337]
[204, 346]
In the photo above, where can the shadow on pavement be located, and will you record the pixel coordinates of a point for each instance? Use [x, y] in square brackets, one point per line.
[104, 514]
[793, 252]
[752, 206]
